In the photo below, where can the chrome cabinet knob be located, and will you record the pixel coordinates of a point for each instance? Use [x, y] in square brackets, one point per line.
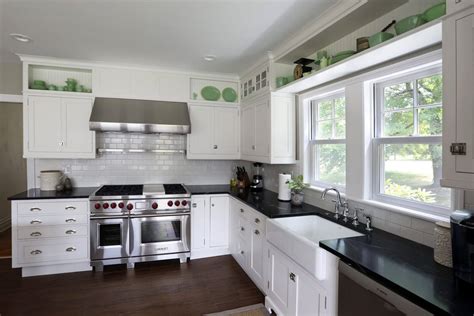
[35, 234]
[241, 252]
[212, 205]
[215, 146]
[257, 232]
[36, 252]
[292, 276]
[71, 232]
[71, 249]
[35, 221]
[242, 229]
[241, 210]
[253, 147]
[257, 220]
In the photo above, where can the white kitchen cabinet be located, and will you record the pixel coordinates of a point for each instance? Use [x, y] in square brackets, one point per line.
[291, 290]
[458, 103]
[209, 226]
[215, 132]
[58, 127]
[50, 236]
[453, 6]
[268, 129]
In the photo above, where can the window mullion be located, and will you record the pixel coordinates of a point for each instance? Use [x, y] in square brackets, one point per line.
[415, 108]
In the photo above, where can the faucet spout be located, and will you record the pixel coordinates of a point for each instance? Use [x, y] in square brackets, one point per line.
[338, 194]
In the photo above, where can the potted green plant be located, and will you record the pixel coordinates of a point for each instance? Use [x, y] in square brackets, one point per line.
[297, 186]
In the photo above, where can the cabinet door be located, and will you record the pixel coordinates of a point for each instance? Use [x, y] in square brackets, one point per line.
[201, 137]
[464, 93]
[76, 134]
[257, 240]
[226, 130]
[219, 222]
[113, 82]
[248, 130]
[199, 215]
[262, 128]
[44, 124]
[307, 297]
[233, 225]
[279, 281]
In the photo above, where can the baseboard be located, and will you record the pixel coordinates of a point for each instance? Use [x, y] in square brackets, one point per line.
[5, 223]
[205, 253]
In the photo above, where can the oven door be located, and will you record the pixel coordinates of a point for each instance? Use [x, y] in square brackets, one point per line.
[109, 238]
[155, 235]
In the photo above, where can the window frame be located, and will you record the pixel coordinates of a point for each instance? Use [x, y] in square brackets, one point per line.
[378, 140]
[313, 142]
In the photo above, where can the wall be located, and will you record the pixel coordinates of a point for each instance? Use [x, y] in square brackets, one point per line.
[12, 166]
[10, 78]
[129, 168]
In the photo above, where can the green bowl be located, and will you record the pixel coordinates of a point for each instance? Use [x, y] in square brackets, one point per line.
[343, 53]
[338, 57]
[229, 94]
[38, 87]
[409, 23]
[435, 12]
[39, 83]
[210, 93]
[379, 37]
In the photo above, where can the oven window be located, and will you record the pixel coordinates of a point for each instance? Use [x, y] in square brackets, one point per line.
[110, 235]
[161, 231]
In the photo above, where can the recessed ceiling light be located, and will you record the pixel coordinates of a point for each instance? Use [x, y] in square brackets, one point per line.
[21, 38]
[210, 57]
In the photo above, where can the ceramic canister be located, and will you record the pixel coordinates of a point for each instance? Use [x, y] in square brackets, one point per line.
[49, 179]
[442, 244]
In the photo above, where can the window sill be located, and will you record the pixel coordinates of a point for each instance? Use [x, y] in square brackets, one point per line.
[391, 208]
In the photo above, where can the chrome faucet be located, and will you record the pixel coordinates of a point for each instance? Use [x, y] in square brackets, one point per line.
[339, 202]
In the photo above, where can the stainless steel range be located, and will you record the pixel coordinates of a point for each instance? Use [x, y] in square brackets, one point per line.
[137, 223]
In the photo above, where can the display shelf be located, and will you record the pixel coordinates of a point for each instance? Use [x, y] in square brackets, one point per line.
[198, 83]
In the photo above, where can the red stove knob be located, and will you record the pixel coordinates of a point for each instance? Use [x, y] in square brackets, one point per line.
[176, 203]
[105, 206]
[184, 203]
[113, 205]
[97, 206]
[129, 207]
[170, 203]
[154, 205]
[121, 205]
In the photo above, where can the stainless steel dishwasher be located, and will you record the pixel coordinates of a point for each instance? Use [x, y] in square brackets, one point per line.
[360, 295]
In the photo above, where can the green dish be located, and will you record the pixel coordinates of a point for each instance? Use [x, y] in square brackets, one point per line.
[409, 23]
[379, 37]
[338, 58]
[38, 87]
[210, 93]
[435, 12]
[346, 52]
[229, 94]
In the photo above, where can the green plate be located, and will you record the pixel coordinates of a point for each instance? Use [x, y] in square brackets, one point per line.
[210, 93]
[346, 52]
[229, 94]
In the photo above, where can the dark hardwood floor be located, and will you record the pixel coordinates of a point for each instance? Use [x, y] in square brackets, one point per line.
[159, 288]
[6, 243]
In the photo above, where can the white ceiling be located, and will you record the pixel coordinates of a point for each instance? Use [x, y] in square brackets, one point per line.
[169, 34]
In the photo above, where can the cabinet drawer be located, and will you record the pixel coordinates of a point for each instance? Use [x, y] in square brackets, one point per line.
[252, 216]
[52, 208]
[244, 228]
[52, 231]
[52, 250]
[71, 219]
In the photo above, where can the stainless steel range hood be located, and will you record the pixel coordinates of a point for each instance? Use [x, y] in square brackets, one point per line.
[139, 116]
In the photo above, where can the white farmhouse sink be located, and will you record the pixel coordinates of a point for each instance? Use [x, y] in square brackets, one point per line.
[298, 237]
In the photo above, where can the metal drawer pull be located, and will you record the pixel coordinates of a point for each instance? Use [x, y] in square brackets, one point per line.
[35, 221]
[70, 208]
[35, 234]
[242, 229]
[71, 232]
[241, 252]
[257, 220]
[257, 232]
[241, 210]
[71, 249]
[292, 276]
[36, 252]
[194, 205]
[35, 209]
[70, 220]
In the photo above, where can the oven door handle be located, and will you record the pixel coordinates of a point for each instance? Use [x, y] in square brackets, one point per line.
[92, 217]
[159, 215]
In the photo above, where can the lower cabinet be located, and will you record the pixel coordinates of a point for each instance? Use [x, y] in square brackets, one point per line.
[291, 290]
[50, 236]
[209, 226]
[247, 241]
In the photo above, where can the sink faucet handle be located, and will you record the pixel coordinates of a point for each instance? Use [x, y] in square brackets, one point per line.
[368, 223]
[336, 209]
[345, 211]
[355, 218]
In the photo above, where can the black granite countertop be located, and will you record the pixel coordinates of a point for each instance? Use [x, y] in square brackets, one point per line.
[399, 264]
[34, 194]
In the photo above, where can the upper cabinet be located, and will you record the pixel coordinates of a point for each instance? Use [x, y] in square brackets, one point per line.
[215, 132]
[458, 114]
[255, 83]
[268, 129]
[457, 5]
[58, 127]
